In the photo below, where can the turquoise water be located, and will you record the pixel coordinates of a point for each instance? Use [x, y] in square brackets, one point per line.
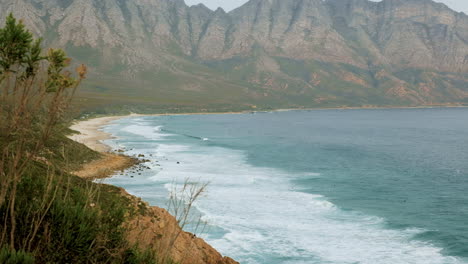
[323, 186]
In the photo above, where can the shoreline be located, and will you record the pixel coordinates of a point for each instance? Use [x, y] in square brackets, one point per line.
[90, 133]
[154, 229]
[106, 120]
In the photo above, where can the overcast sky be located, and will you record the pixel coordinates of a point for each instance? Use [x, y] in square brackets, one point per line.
[459, 5]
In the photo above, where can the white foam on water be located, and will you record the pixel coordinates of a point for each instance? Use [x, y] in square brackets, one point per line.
[266, 221]
[141, 127]
[148, 132]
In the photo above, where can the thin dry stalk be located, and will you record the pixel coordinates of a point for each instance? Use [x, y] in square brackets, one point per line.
[180, 205]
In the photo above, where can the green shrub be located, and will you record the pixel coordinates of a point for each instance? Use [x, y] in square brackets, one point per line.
[134, 256]
[8, 256]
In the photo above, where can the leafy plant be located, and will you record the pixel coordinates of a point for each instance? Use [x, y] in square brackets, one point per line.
[8, 256]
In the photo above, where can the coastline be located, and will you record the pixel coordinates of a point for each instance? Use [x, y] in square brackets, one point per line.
[139, 234]
[154, 230]
[91, 135]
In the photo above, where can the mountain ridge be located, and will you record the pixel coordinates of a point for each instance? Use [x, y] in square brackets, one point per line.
[266, 53]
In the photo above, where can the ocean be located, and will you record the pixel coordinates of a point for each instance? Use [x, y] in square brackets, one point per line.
[367, 186]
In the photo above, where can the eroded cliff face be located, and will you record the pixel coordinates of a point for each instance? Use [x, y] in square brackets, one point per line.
[266, 52]
[156, 230]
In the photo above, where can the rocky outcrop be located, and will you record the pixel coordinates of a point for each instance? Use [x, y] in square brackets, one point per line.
[154, 229]
[266, 52]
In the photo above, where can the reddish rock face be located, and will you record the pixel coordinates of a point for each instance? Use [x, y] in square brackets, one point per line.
[157, 230]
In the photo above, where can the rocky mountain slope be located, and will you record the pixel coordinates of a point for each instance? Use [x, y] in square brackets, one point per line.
[266, 53]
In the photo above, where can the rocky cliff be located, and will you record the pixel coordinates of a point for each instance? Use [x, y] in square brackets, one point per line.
[270, 53]
[156, 230]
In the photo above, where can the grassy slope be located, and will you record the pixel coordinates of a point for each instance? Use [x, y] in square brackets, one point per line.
[84, 221]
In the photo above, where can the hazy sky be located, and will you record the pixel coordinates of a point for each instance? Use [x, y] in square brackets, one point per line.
[459, 5]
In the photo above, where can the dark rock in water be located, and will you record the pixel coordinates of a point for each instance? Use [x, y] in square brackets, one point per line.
[141, 156]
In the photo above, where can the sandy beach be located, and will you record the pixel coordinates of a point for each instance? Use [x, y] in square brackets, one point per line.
[91, 136]
[90, 133]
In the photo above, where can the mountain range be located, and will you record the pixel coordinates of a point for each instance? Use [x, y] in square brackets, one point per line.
[264, 54]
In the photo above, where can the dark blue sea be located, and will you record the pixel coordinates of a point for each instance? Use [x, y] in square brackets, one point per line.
[381, 186]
